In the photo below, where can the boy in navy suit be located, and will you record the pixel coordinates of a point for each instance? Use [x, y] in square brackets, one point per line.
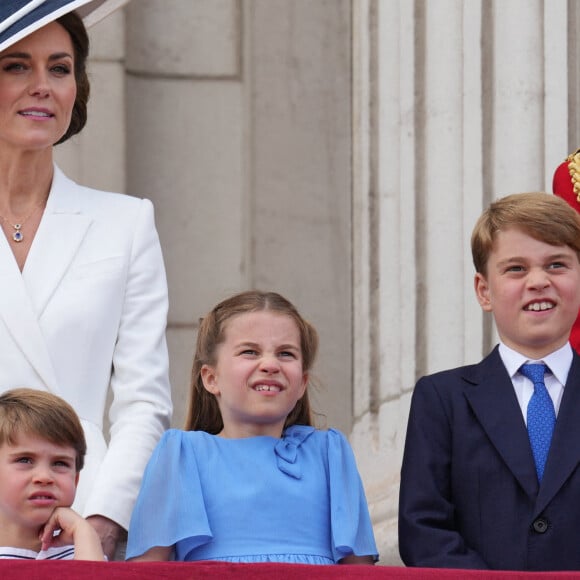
[491, 468]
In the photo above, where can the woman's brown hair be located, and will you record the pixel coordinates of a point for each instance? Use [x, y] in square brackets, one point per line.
[73, 24]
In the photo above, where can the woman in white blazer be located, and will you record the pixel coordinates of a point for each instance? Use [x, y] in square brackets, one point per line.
[83, 299]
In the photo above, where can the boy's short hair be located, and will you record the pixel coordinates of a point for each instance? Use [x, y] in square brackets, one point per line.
[42, 414]
[542, 216]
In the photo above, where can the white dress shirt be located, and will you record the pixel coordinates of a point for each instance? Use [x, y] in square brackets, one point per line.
[558, 363]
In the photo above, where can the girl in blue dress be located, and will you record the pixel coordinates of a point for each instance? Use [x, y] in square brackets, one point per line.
[251, 480]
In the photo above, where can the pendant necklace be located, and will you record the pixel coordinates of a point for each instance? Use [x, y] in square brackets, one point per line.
[18, 236]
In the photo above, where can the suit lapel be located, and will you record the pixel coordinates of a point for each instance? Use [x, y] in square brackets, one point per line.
[564, 453]
[492, 398]
[18, 315]
[25, 295]
[61, 232]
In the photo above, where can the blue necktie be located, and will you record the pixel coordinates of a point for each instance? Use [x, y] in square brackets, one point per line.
[541, 416]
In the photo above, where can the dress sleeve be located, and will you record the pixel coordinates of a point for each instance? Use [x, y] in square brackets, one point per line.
[170, 506]
[352, 531]
[141, 407]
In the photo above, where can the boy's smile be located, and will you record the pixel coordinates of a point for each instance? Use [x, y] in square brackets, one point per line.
[533, 290]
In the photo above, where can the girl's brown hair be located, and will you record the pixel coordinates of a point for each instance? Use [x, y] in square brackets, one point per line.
[203, 413]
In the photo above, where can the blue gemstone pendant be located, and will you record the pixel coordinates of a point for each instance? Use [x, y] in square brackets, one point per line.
[17, 235]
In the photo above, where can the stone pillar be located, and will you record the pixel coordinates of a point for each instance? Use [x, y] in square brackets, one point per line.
[384, 239]
[185, 152]
[298, 156]
[239, 130]
[455, 104]
[516, 113]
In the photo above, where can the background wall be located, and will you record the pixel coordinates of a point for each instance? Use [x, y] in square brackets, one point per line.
[338, 151]
[455, 104]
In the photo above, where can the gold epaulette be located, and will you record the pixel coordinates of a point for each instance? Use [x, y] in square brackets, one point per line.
[574, 169]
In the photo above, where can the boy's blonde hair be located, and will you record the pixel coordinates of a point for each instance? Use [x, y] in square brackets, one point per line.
[42, 414]
[542, 216]
[204, 413]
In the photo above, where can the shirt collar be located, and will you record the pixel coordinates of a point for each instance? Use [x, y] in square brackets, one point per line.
[559, 361]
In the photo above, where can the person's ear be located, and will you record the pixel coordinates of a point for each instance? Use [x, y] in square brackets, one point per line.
[209, 379]
[482, 292]
[77, 478]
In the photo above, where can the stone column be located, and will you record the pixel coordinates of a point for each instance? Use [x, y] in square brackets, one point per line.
[298, 156]
[455, 104]
[185, 152]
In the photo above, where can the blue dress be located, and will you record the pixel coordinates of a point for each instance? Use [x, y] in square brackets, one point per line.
[297, 499]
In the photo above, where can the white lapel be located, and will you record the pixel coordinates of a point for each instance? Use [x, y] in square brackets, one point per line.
[24, 295]
[18, 315]
[59, 236]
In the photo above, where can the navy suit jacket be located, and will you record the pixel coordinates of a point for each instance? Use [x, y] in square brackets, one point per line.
[469, 495]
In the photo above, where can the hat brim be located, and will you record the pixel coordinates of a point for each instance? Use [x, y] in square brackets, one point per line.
[19, 18]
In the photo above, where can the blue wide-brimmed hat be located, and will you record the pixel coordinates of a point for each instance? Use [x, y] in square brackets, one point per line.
[19, 18]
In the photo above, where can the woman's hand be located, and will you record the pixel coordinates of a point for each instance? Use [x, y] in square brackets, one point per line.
[109, 532]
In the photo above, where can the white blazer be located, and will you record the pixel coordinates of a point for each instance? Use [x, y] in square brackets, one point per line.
[89, 311]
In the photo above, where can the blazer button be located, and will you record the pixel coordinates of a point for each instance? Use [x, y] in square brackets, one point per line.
[540, 525]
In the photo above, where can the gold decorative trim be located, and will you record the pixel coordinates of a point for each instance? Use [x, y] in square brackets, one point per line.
[574, 170]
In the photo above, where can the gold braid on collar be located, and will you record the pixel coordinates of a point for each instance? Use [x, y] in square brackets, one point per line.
[574, 169]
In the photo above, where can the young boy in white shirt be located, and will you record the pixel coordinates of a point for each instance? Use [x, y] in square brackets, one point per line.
[42, 450]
